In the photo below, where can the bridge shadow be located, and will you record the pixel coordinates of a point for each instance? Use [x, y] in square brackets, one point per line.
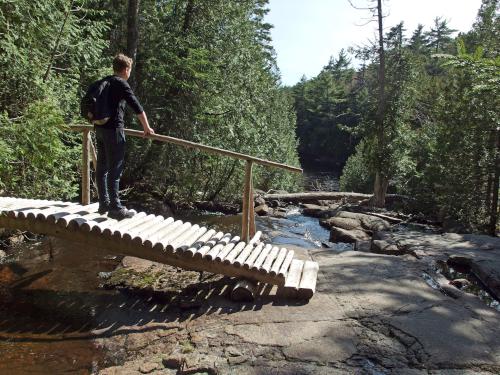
[43, 315]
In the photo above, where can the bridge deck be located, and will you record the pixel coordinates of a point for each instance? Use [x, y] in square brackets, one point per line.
[164, 240]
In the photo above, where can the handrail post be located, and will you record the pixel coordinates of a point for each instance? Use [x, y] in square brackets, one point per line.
[247, 193]
[85, 168]
[251, 212]
[93, 154]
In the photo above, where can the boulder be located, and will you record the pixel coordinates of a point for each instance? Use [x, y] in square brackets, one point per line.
[386, 236]
[275, 203]
[259, 201]
[280, 213]
[325, 203]
[385, 247]
[342, 222]
[349, 236]
[489, 274]
[315, 210]
[263, 210]
[368, 222]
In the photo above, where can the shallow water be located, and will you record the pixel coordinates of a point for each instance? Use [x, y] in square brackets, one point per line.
[47, 309]
[474, 285]
[296, 230]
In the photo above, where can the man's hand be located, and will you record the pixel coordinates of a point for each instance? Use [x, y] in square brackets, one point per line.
[148, 131]
[145, 124]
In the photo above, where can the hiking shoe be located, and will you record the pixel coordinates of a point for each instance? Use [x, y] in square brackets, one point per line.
[120, 213]
[103, 208]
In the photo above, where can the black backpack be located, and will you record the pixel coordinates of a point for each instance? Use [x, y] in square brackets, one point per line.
[94, 105]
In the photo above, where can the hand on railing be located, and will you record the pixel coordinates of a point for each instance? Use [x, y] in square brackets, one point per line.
[145, 124]
[148, 131]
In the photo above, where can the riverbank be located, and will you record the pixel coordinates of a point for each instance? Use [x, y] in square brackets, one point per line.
[372, 314]
[394, 313]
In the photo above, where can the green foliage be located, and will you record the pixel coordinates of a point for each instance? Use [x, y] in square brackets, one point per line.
[212, 81]
[355, 175]
[327, 113]
[441, 120]
[45, 46]
[38, 158]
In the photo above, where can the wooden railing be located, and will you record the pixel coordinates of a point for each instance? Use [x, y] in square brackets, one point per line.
[248, 215]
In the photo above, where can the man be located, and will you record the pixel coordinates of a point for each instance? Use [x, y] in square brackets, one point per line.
[111, 139]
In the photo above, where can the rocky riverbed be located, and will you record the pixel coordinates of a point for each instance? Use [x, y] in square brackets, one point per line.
[403, 302]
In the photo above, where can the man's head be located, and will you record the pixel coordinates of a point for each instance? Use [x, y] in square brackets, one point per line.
[122, 65]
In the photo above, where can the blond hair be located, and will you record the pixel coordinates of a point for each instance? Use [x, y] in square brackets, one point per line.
[120, 62]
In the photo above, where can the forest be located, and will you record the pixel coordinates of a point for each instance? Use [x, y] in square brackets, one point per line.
[418, 116]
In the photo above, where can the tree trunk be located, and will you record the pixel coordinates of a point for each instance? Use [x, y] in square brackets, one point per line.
[494, 200]
[491, 170]
[381, 179]
[132, 34]
[379, 190]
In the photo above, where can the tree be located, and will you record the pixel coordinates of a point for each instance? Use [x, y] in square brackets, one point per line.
[479, 78]
[324, 106]
[439, 37]
[379, 141]
[46, 49]
[208, 75]
[418, 40]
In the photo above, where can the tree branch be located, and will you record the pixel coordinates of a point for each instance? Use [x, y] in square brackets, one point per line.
[360, 8]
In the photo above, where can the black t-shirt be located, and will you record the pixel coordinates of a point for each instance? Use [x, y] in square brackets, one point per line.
[119, 94]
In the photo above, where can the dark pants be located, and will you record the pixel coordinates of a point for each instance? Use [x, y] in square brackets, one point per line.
[110, 160]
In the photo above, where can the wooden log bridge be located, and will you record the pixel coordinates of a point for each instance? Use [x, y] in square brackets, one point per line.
[167, 240]
[164, 240]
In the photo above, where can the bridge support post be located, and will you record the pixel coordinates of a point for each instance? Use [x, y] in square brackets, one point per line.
[248, 216]
[85, 168]
[251, 212]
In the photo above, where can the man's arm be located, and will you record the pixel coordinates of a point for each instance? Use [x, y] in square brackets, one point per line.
[137, 108]
[145, 124]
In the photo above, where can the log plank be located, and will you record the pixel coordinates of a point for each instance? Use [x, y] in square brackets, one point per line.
[262, 256]
[307, 285]
[163, 231]
[147, 233]
[219, 236]
[199, 243]
[293, 277]
[253, 256]
[266, 266]
[286, 263]
[278, 262]
[228, 257]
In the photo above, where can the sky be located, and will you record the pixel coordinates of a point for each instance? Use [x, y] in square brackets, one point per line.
[307, 32]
